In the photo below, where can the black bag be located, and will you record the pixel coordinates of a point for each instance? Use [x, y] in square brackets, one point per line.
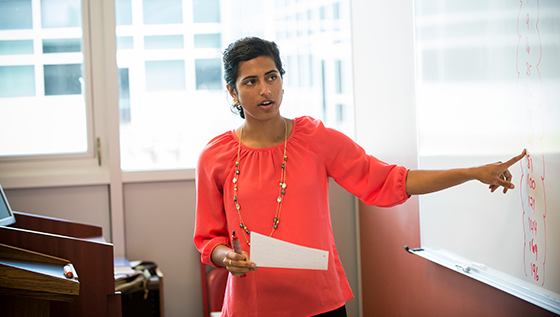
[138, 280]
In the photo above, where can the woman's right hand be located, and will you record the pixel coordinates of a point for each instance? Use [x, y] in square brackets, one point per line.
[237, 264]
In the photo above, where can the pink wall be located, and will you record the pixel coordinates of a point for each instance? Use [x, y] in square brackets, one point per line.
[397, 283]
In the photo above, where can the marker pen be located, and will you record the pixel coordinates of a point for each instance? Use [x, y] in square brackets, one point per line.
[236, 245]
[68, 271]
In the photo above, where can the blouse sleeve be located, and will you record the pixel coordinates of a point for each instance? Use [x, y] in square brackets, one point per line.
[371, 180]
[210, 221]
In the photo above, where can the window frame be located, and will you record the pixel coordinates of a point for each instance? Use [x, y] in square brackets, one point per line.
[37, 34]
[101, 99]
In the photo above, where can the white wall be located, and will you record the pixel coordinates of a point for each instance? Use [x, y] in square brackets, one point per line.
[87, 204]
[159, 226]
[385, 122]
[384, 97]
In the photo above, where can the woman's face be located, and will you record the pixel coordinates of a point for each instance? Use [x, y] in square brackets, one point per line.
[258, 88]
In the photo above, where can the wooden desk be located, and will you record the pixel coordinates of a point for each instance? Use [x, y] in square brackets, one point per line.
[83, 245]
[29, 281]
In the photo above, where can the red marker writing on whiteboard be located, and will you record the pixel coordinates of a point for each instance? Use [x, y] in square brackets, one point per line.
[236, 245]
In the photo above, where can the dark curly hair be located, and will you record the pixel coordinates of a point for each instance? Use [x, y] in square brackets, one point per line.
[243, 50]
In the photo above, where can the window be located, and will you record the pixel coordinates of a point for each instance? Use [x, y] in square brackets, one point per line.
[208, 40]
[164, 76]
[208, 73]
[169, 53]
[171, 95]
[162, 11]
[169, 60]
[42, 91]
[206, 11]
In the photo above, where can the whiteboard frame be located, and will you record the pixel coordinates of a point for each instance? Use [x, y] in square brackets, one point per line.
[489, 276]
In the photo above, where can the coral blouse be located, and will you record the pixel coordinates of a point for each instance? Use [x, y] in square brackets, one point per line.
[315, 153]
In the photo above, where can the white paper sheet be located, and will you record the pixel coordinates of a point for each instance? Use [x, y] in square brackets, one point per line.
[270, 252]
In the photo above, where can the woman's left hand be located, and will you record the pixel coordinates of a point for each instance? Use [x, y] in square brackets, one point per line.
[419, 182]
[498, 174]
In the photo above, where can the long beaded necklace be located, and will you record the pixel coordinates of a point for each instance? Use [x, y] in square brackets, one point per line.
[281, 190]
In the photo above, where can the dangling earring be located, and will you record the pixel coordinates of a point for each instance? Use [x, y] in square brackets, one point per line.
[239, 109]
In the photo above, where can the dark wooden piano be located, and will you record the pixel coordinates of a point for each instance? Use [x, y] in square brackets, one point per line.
[84, 247]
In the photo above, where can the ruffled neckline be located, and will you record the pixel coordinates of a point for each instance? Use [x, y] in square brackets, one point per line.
[269, 148]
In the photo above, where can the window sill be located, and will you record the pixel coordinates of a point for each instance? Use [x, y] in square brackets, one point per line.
[81, 178]
[52, 180]
[158, 175]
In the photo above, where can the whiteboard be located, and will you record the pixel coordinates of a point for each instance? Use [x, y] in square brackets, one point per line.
[488, 86]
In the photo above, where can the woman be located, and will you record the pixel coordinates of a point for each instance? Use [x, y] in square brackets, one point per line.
[271, 176]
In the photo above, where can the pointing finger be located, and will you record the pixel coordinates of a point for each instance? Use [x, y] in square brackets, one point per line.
[515, 159]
